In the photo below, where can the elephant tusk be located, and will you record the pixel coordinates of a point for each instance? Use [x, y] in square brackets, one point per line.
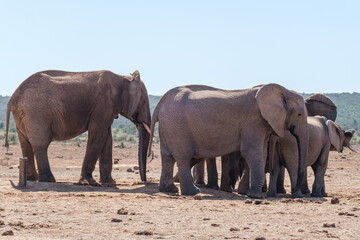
[147, 128]
[136, 128]
[353, 150]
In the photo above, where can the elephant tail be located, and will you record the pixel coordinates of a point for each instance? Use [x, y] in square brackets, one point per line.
[8, 110]
[153, 122]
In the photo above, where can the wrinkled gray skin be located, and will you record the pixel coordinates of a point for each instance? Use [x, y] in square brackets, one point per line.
[57, 105]
[323, 134]
[190, 128]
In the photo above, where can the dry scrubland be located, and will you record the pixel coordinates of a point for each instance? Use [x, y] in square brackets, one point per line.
[133, 210]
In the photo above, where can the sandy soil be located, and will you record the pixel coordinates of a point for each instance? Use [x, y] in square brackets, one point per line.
[133, 210]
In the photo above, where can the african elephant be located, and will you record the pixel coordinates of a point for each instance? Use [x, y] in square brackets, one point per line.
[317, 104]
[323, 134]
[190, 128]
[58, 105]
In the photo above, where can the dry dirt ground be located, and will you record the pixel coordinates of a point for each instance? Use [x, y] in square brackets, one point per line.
[133, 210]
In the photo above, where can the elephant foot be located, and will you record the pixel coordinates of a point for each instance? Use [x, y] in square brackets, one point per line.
[190, 191]
[297, 194]
[88, 181]
[305, 190]
[200, 183]
[226, 188]
[47, 177]
[255, 193]
[170, 188]
[242, 190]
[271, 193]
[281, 190]
[212, 186]
[107, 182]
[324, 194]
[316, 194]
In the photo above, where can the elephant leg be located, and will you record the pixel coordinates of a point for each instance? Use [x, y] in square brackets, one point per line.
[27, 151]
[199, 172]
[39, 137]
[305, 187]
[45, 174]
[264, 187]
[96, 142]
[254, 157]
[274, 173]
[167, 172]
[105, 161]
[280, 181]
[265, 157]
[243, 187]
[235, 171]
[212, 173]
[225, 181]
[293, 173]
[318, 189]
[186, 183]
[176, 177]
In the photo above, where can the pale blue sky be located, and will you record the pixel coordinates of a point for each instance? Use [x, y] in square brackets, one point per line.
[307, 46]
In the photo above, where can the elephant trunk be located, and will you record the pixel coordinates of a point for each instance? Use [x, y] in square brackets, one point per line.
[144, 138]
[302, 142]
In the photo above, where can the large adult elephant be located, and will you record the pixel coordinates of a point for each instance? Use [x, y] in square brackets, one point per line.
[324, 134]
[203, 122]
[58, 105]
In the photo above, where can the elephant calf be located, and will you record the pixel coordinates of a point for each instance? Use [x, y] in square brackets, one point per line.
[324, 135]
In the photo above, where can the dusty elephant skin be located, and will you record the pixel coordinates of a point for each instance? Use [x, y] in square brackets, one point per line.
[57, 105]
[203, 122]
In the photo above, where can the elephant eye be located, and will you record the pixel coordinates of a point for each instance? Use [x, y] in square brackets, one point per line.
[299, 114]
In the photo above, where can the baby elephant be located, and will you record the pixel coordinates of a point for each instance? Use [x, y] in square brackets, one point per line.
[324, 135]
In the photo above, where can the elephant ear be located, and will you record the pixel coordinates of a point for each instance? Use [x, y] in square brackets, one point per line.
[272, 104]
[334, 135]
[134, 92]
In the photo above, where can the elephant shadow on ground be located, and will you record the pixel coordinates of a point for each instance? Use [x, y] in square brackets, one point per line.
[148, 188]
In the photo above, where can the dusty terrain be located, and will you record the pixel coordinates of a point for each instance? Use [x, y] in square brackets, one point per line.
[133, 210]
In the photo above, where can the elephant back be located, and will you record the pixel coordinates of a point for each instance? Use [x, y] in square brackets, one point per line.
[320, 104]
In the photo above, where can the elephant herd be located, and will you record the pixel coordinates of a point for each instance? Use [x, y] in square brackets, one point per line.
[262, 129]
